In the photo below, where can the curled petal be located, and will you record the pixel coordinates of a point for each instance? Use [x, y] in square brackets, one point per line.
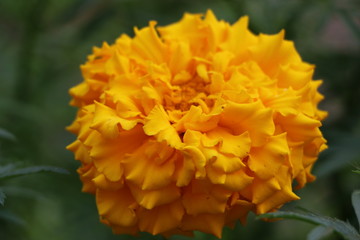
[153, 220]
[117, 207]
[251, 117]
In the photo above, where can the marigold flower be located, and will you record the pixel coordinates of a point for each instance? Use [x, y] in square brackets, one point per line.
[192, 125]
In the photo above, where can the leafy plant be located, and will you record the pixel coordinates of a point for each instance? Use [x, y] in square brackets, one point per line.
[13, 170]
[326, 224]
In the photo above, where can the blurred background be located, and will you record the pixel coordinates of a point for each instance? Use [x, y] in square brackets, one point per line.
[42, 44]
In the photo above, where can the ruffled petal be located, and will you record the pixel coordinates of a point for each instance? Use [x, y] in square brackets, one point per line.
[251, 117]
[266, 160]
[153, 220]
[117, 207]
[150, 199]
[208, 223]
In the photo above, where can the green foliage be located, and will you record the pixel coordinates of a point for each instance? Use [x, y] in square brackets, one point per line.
[11, 217]
[355, 199]
[14, 170]
[319, 232]
[2, 197]
[7, 135]
[11, 170]
[327, 223]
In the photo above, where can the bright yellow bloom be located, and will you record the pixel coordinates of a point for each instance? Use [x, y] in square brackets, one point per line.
[192, 125]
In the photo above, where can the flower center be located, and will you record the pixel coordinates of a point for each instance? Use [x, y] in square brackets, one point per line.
[183, 96]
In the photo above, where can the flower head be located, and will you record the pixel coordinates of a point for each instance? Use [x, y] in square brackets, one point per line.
[192, 125]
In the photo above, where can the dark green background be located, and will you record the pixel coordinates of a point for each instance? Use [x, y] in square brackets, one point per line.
[42, 44]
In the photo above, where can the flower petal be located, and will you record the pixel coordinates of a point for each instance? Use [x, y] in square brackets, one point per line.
[153, 220]
[266, 160]
[251, 117]
[150, 199]
[157, 123]
[117, 207]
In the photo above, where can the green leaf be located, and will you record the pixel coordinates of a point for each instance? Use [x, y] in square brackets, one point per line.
[343, 228]
[22, 192]
[6, 168]
[7, 135]
[319, 233]
[2, 197]
[31, 170]
[355, 199]
[9, 216]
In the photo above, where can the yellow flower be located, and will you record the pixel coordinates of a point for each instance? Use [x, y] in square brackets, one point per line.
[192, 125]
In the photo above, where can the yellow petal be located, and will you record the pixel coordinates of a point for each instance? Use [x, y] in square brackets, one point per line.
[101, 182]
[295, 75]
[180, 59]
[251, 117]
[239, 30]
[87, 173]
[239, 210]
[150, 199]
[237, 180]
[273, 50]
[107, 155]
[189, 29]
[116, 207]
[266, 160]
[263, 189]
[197, 157]
[162, 218]
[227, 164]
[81, 152]
[196, 120]
[221, 61]
[202, 72]
[208, 223]
[279, 197]
[300, 127]
[148, 44]
[285, 102]
[203, 197]
[238, 145]
[150, 170]
[157, 123]
[107, 122]
[184, 171]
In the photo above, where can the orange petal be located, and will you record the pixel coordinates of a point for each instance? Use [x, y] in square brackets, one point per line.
[108, 156]
[162, 218]
[148, 44]
[116, 207]
[251, 117]
[157, 123]
[107, 122]
[150, 199]
[150, 170]
[208, 223]
[266, 160]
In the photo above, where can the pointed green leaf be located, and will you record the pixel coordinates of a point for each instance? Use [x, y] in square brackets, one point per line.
[355, 199]
[7, 135]
[31, 170]
[319, 233]
[6, 168]
[2, 197]
[22, 192]
[10, 217]
[343, 228]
